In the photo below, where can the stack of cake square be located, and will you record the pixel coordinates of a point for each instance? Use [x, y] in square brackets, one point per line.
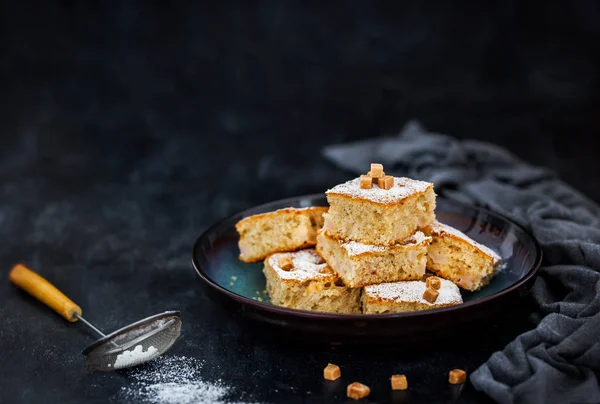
[368, 252]
[296, 276]
[372, 236]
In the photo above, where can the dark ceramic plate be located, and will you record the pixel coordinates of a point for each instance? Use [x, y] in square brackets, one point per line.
[241, 286]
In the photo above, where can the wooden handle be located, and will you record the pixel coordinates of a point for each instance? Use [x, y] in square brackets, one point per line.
[44, 291]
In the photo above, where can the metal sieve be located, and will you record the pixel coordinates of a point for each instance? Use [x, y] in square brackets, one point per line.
[134, 344]
[129, 346]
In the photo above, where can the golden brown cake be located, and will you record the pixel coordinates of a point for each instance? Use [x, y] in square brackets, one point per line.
[379, 216]
[309, 285]
[406, 296]
[287, 229]
[361, 264]
[455, 256]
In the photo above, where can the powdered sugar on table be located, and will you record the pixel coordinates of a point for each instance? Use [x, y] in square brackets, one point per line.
[402, 189]
[412, 291]
[354, 248]
[174, 380]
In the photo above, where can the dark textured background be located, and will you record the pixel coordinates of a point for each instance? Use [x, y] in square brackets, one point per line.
[126, 129]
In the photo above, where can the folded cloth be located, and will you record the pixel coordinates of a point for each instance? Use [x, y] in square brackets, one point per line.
[559, 360]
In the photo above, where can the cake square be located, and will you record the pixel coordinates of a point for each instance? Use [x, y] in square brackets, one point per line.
[287, 229]
[407, 296]
[376, 215]
[310, 285]
[455, 256]
[361, 264]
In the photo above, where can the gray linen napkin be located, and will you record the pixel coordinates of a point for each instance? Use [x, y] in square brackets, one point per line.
[559, 360]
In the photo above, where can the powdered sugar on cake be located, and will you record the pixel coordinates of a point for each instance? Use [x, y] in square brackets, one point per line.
[307, 265]
[417, 238]
[354, 248]
[441, 228]
[412, 291]
[283, 210]
[402, 189]
[296, 209]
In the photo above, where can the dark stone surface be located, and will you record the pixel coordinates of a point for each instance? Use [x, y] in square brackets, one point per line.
[127, 130]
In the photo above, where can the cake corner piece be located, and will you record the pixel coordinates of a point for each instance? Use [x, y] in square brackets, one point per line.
[407, 296]
[310, 284]
[377, 215]
[287, 229]
[455, 256]
[360, 264]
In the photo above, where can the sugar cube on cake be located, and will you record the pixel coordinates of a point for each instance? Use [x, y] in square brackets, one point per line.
[309, 285]
[376, 215]
[407, 296]
[361, 264]
[284, 230]
[455, 256]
